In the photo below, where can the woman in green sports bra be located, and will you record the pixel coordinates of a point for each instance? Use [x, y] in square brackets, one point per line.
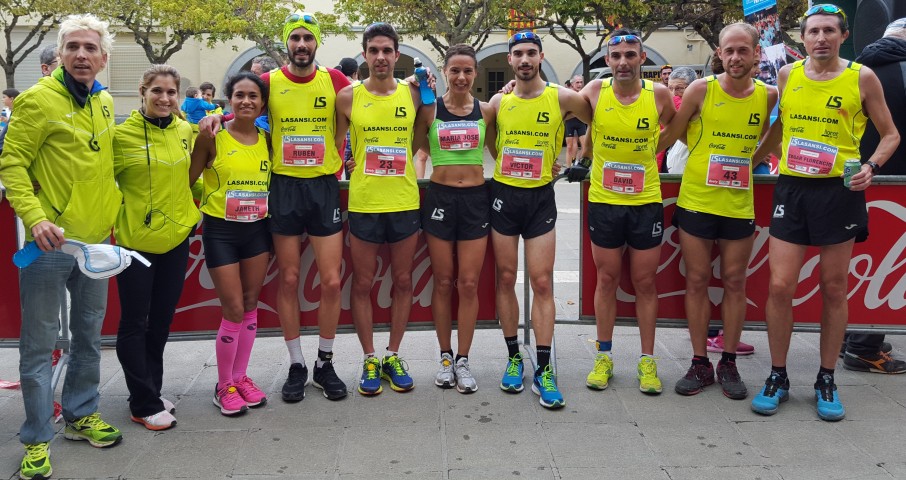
[456, 211]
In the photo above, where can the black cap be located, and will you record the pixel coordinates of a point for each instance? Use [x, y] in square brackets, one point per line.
[348, 66]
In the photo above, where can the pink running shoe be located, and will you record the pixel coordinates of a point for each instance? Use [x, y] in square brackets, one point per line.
[716, 345]
[228, 400]
[250, 392]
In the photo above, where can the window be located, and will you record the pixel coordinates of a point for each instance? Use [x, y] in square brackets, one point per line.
[495, 82]
[126, 64]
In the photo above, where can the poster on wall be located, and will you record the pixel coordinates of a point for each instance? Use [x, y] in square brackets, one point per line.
[762, 14]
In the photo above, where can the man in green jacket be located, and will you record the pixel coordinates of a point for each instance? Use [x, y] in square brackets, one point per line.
[62, 138]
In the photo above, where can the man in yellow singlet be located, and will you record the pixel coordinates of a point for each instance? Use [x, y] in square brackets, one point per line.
[722, 118]
[825, 102]
[625, 208]
[530, 128]
[383, 115]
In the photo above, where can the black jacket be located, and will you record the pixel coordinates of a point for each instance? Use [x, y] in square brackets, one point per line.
[884, 57]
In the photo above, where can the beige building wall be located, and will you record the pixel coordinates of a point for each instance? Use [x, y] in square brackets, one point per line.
[198, 63]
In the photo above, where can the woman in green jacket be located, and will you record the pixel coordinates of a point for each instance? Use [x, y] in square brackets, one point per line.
[152, 155]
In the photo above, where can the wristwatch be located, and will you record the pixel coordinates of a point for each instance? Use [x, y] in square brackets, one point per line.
[875, 168]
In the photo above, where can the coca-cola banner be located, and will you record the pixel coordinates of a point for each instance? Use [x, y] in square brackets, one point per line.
[877, 288]
[199, 307]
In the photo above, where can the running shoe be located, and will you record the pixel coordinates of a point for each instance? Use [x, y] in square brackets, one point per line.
[445, 377]
[229, 401]
[250, 393]
[36, 462]
[294, 389]
[886, 347]
[647, 374]
[697, 378]
[326, 379]
[159, 421]
[465, 383]
[776, 390]
[601, 373]
[93, 430]
[716, 345]
[393, 369]
[545, 386]
[370, 384]
[512, 376]
[168, 405]
[829, 407]
[730, 381]
[880, 362]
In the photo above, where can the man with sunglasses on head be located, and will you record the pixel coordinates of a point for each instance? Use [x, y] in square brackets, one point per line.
[305, 197]
[530, 126]
[62, 137]
[825, 102]
[384, 115]
[625, 209]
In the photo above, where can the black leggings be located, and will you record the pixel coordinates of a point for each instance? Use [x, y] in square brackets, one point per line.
[148, 298]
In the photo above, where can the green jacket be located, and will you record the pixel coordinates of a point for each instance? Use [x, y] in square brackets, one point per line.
[51, 139]
[152, 169]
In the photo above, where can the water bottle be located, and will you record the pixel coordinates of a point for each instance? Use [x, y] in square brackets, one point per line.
[29, 253]
[421, 73]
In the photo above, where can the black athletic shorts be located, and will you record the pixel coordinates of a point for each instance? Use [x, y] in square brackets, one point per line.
[388, 227]
[639, 226]
[305, 205]
[817, 211]
[530, 212]
[575, 128]
[712, 227]
[227, 242]
[453, 213]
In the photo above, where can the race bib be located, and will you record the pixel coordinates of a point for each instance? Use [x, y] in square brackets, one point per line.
[809, 157]
[626, 178]
[385, 161]
[522, 163]
[458, 135]
[728, 172]
[303, 150]
[242, 206]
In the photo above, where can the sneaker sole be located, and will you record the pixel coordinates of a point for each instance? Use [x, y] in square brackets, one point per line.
[466, 391]
[651, 390]
[37, 476]
[870, 370]
[512, 388]
[258, 404]
[735, 396]
[551, 406]
[444, 385]
[395, 387]
[770, 412]
[370, 394]
[330, 395]
[77, 437]
[290, 398]
[149, 426]
[831, 418]
[230, 413]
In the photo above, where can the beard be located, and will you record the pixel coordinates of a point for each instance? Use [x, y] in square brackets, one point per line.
[303, 63]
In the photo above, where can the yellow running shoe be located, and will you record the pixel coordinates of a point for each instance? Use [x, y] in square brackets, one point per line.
[648, 381]
[601, 373]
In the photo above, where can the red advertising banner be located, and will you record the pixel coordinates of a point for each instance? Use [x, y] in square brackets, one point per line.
[199, 307]
[877, 287]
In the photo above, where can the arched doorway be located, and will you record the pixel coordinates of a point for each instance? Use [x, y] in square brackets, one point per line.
[406, 65]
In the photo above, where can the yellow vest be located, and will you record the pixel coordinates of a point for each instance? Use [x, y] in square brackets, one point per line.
[236, 185]
[302, 117]
[624, 168]
[381, 129]
[529, 138]
[822, 122]
[718, 175]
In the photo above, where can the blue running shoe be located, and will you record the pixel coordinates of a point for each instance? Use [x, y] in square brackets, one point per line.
[512, 376]
[776, 390]
[393, 369]
[370, 384]
[545, 385]
[830, 408]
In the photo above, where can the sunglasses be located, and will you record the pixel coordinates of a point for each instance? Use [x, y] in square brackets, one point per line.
[522, 37]
[825, 8]
[305, 17]
[632, 39]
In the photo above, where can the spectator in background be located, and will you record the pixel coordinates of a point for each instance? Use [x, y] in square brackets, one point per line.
[678, 153]
[350, 68]
[207, 93]
[887, 57]
[263, 63]
[575, 129]
[196, 107]
[666, 70]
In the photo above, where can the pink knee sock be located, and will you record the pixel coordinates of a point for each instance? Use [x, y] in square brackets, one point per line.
[247, 334]
[226, 347]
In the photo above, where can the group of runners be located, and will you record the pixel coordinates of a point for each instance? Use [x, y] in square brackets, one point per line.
[264, 192]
